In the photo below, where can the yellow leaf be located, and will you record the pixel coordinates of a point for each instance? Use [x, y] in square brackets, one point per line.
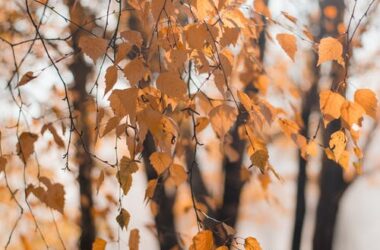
[203, 241]
[99, 244]
[123, 218]
[312, 148]
[111, 78]
[27, 77]
[94, 47]
[222, 118]
[251, 243]
[25, 146]
[170, 84]
[134, 239]
[330, 49]
[367, 99]
[352, 113]
[330, 104]
[160, 161]
[337, 144]
[288, 43]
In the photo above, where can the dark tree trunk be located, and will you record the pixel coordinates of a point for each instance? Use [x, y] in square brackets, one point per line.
[80, 71]
[164, 219]
[331, 183]
[233, 184]
[310, 102]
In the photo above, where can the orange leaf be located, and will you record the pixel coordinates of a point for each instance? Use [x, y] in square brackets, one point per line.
[134, 239]
[171, 85]
[367, 99]
[330, 49]
[203, 241]
[288, 43]
[99, 244]
[160, 161]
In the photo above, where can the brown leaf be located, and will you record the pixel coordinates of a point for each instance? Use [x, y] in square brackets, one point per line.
[123, 102]
[53, 196]
[111, 78]
[3, 163]
[135, 70]
[134, 239]
[149, 192]
[288, 43]
[127, 168]
[27, 77]
[170, 84]
[25, 147]
[132, 36]
[260, 159]
[57, 139]
[123, 219]
[94, 47]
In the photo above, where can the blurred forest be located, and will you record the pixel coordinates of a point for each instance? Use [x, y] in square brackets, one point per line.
[189, 124]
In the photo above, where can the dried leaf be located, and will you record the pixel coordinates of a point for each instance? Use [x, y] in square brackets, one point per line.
[135, 70]
[123, 219]
[367, 99]
[99, 244]
[260, 159]
[171, 85]
[330, 104]
[337, 144]
[134, 239]
[25, 146]
[111, 78]
[222, 118]
[288, 43]
[330, 49]
[177, 174]
[57, 139]
[251, 243]
[94, 47]
[149, 192]
[352, 114]
[27, 77]
[203, 241]
[3, 163]
[160, 161]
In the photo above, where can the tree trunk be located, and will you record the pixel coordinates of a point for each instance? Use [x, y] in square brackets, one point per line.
[332, 184]
[80, 71]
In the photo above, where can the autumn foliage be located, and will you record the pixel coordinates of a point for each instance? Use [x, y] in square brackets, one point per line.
[162, 88]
